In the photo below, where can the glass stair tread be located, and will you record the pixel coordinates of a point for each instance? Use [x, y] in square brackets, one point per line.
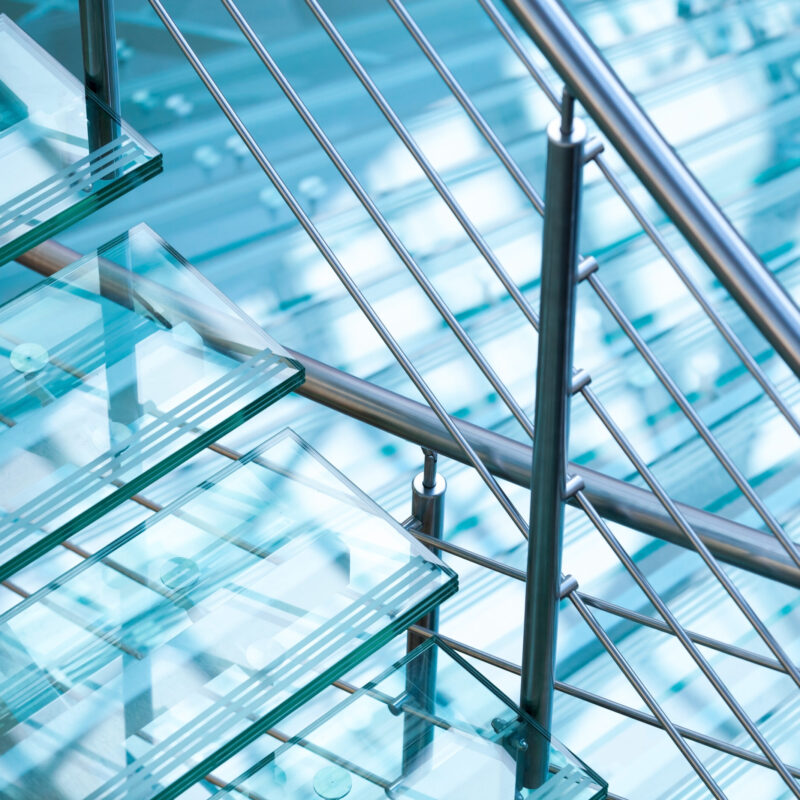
[63, 153]
[109, 379]
[184, 639]
[428, 728]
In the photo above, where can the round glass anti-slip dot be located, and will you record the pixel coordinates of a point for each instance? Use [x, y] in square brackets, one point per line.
[180, 574]
[332, 783]
[29, 357]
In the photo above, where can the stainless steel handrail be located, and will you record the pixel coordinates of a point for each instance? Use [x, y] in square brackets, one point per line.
[663, 173]
[738, 545]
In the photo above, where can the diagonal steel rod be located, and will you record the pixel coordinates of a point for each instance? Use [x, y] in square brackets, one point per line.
[703, 551]
[366, 201]
[422, 161]
[708, 438]
[694, 418]
[649, 228]
[347, 281]
[702, 664]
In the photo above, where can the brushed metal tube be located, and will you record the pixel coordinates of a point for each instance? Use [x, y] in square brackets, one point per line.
[99, 41]
[663, 173]
[617, 501]
[566, 138]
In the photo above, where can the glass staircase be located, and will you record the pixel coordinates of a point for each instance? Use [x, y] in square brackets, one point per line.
[185, 630]
[721, 81]
[56, 168]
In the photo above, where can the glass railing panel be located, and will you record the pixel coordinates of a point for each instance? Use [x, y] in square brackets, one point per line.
[158, 657]
[112, 372]
[428, 728]
[63, 153]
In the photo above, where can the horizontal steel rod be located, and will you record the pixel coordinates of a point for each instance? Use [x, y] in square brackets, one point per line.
[616, 500]
[663, 173]
[738, 545]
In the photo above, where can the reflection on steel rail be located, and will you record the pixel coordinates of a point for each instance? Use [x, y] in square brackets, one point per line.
[739, 545]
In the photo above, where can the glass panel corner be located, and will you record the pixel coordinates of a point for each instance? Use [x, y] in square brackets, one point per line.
[157, 658]
[112, 372]
[63, 154]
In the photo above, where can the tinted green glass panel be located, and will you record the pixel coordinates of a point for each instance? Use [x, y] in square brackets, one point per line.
[63, 153]
[108, 380]
[190, 635]
[429, 728]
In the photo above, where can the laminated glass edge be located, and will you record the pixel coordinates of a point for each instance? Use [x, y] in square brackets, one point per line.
[325, 679]
[82, 209]
[132, 487]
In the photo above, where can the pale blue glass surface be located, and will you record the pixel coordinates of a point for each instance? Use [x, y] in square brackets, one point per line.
[112, 372]
[144, 667]
[63, 154]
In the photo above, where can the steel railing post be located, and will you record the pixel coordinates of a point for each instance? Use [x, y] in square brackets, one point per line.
[566, 137]
[427, 509]
[99, 42]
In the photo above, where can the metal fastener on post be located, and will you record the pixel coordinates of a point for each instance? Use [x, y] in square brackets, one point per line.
[427, 507]
[565, 157]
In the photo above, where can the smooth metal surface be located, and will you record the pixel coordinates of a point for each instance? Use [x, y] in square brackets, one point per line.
[566, 137]
[735, 544]
[694, 418]
[427, 508]
[567, 107]
[725, 330]
[99, 41]
[663, 173]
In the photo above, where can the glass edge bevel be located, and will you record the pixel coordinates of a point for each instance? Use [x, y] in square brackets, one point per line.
[123, 493]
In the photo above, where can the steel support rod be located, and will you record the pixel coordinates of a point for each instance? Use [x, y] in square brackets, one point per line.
[663, 173]
[738, 545]
[427, 507]
[566, 138]
[338, 268]
[99, 41]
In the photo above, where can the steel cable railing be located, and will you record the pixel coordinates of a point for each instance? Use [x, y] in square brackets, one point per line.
[366, 201]
[602, 292]
[649, 228]
[410, 370]
[345, 278]
[664, 174]
[593, 402]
